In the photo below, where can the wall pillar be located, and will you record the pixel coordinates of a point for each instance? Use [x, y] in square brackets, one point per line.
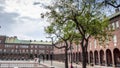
[99, 57]
[93, 58]
[113, 62]
[88, 57]
[105, 59]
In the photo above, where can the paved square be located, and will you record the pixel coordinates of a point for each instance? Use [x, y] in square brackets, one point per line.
[21, 64]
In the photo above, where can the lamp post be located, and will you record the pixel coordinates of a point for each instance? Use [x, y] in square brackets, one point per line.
[51, 56]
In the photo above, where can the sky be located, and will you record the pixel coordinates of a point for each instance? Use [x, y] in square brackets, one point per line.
[22, 18]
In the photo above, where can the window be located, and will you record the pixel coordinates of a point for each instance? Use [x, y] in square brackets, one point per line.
[35, 46]
[95, 43]
[23, 46]
[113, 26]
[107, 41]
[4, 50]
[12, 50]
[9, 46]
[31, 46]
[31, 51]
[16, 51]
[0, 50]
[115, 40]
[109, 27]
[16, 46]
[117, 24]
[35, 51]
[23, 50]
[90, 46]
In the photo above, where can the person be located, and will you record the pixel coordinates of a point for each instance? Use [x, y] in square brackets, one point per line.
[71, 66]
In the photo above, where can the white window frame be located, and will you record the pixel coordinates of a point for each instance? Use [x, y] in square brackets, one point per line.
[95, 43]
[117, 24]
[113, 26]
[115, 40]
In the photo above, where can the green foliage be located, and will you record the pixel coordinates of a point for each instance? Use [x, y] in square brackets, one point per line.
[68, 18]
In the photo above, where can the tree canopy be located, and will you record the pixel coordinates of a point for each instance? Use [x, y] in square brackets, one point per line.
[80, 19]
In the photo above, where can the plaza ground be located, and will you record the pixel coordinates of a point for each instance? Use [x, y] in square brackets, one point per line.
[57, 64]
[21, 64]
[42, 64]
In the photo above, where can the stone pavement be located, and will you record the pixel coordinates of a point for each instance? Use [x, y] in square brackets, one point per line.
[21, 64]
[57, 64]
[45, 64]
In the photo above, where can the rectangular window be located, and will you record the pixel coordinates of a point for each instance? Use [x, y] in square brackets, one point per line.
[117, 24]
[4, 50]
[113, 26]
[31, 51]
[0, 50]
[35, 51]
[95, 43]
[35, 46]
[90, 46]
[31, 46]
[114, 38]
[16, 46]
[109, 26]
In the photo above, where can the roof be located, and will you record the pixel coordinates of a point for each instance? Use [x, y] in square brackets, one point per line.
[114, 15]
[16, 40]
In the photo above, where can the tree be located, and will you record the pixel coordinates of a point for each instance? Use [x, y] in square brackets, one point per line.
[113, 3]
[88, 19]
[64, 33]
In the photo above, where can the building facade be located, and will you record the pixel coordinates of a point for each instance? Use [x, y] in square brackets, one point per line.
[12, 48]
[108, 55]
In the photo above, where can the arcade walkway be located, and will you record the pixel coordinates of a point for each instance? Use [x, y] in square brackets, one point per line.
[57, 64]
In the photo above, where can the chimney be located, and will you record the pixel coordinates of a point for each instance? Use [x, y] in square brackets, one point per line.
[117, 10]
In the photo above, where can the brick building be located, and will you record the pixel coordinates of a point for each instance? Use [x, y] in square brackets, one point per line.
[108, 55]
[11, 48]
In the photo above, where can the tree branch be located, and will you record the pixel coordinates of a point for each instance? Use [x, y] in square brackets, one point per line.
[59, 47]
[106, 2]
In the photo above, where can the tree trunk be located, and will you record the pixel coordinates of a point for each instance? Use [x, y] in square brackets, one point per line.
[66, 58]
[84, 52]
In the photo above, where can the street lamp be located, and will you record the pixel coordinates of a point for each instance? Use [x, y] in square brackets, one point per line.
[51, 56]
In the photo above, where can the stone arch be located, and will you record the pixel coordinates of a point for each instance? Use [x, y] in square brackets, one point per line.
[87, 57]
[73, 57]
[116, 53]
[102, 58]
[47, 57]
[80, 57]
[91, 57]
[96, 57]
[108, 57]
[77, 57]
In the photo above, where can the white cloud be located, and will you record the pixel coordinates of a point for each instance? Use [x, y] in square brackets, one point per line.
[28, 24]
[25, 7]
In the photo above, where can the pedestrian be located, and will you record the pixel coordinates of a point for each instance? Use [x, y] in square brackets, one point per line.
[71, 66]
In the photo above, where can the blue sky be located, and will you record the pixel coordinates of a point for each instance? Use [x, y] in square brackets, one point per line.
[22, 19]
